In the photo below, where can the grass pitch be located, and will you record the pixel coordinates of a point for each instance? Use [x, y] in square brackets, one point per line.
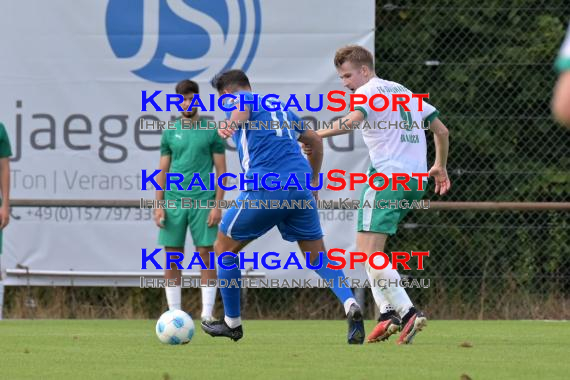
[122, 349]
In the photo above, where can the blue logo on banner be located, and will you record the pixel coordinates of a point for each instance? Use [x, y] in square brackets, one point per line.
[169, 40]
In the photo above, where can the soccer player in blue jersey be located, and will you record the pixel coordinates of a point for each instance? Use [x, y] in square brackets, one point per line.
[262, 151]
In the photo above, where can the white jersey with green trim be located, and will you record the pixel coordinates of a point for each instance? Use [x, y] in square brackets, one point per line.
[563, 59]
[396, 141]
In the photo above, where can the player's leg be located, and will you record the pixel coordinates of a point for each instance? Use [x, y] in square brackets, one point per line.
[230, 294]
[172, 236]
[230, 325]
[345, 295]
[239, 226]
[381, 301]
[1, 297]
[374, 226]
[1, 282]
[173, 293]
[365, 223]
[208, 292]
[204, 237]
[386, 309]
[412, 319]
[388, 321]
[368, 219]
[303, 225]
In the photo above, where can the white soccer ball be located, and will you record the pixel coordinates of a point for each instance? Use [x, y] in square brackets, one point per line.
[175, 327]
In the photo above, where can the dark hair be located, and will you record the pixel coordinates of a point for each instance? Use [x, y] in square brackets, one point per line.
[187, 86]
[230, 79]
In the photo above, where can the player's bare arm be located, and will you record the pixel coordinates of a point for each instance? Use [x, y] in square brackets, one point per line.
[215, 215]
[561, 99]
[237, 117]
[5, 189]
[439, 169]
[311, 139]
[339, 127]
[164, 166]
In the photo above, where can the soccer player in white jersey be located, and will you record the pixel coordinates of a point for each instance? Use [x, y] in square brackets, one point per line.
[392, 150]
[561, 99]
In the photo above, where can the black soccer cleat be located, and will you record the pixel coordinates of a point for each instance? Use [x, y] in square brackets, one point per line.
[220, 328]
[355, 325]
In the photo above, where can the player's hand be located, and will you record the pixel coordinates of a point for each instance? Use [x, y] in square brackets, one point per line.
[307, 149]
[225, 131]
[442, 182]
[159, 217]
[315, 183]
[4, 215]
[214, 217]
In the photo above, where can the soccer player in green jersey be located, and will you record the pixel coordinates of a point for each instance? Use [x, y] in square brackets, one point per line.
[561, 99]
[391, 151]
[5, 153]
[190, 149]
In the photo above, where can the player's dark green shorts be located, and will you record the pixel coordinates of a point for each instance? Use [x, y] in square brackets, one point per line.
[385, 220]
[180, 220]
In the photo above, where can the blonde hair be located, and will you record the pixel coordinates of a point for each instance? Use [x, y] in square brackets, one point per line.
[354, 54]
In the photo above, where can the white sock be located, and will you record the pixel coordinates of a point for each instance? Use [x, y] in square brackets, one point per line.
[232, 322]
[173, 297]
[395, 295]
[386, 308]
[208, 300]
[347, 304]
[1, 298]
[380, 300]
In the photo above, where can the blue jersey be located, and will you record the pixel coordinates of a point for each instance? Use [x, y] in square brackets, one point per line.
[264, 150]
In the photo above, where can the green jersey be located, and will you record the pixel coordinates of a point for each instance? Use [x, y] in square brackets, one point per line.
[191, 151]
[5, 152]
[563, 60]
[5, 148]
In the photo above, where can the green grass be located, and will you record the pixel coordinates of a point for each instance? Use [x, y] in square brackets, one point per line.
[111, 349]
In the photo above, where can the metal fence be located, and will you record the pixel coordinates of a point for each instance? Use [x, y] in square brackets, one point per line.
[489, 70]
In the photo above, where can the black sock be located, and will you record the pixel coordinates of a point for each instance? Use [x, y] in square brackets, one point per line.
[385, 316]
[408, 315]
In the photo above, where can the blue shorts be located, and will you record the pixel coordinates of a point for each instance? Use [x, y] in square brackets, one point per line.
[246, 223]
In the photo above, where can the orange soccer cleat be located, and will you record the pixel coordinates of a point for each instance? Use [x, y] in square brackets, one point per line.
[384, 329]
[414, 325]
